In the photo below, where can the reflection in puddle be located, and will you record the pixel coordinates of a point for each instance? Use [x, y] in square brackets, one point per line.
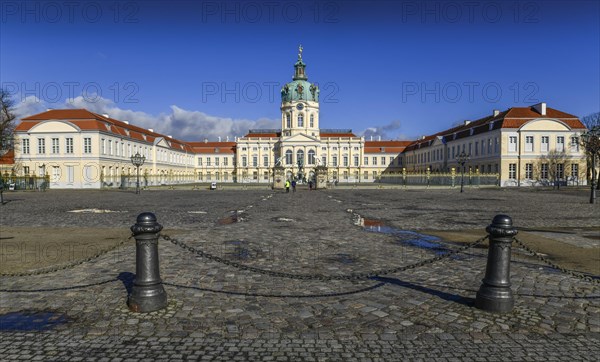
[31, 321]
[343, 258]
[239, 249]
[403, 236]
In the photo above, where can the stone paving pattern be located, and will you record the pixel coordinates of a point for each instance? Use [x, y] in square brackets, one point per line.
[217, 312]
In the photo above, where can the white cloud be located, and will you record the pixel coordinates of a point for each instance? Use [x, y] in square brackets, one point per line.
[386, 132]
[178, 122]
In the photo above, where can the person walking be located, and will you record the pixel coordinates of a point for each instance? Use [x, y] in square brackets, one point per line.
[293, 185]
[287, 186]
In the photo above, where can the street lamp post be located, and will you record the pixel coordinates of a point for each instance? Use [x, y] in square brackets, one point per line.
[462, 158]
[137, 161]
[591, 143]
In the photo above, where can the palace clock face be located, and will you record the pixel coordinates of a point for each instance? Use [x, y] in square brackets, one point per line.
[300, 106]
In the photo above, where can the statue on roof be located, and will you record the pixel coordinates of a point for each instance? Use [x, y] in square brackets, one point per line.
[300, 52]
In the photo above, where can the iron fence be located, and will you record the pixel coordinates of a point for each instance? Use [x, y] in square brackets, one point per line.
[12, 182]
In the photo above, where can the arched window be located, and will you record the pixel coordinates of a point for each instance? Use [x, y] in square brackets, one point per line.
[300, 157]
[311, 157]
[288, 118]
[312, 120]
[300, 120]
[288, 157]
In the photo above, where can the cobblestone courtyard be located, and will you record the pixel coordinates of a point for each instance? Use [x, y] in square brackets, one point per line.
[220, 312]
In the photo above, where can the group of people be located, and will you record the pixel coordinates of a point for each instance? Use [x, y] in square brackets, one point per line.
[293, 185]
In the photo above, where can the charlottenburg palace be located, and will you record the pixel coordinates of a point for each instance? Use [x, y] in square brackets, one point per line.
[76, 148]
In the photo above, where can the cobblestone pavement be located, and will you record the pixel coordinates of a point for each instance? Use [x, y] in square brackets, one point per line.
[219, 312]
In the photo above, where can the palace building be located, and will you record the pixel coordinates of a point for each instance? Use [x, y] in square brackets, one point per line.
[76, 148]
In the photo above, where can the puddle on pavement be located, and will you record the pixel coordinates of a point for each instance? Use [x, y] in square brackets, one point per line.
[231, 219]
[403, 236]
[93, 211]
[343, 258]
[31, 321]
[239, 249]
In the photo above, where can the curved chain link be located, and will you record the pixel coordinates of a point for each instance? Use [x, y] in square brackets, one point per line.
[65, 266]
[321, 277]
[540, 257]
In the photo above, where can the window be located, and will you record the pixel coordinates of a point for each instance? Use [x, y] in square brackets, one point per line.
[477, 148]
[470, 145]
[545, 142]
[208, 161]
[560, 143]
[55, 148]
[255, 175]
[356, 161]
[383, 161]
[103, 144]
[312, 120]
[254, 161]
[490, 146]
[528, 143]
[69, 145]
[55, 173]
[300, 157]
[366, 161]
[512, 171]
[266, 175]
[575, 170]
[345, 175]
[26, 146]
[225, 162]
[512, 144]
[366, 175]
[335, 163]
[288, 118]
[300, 120]
[560, 170]
[216, 161]
[199, 161]
[529, 171]
[288, 157]
[345, 160]
[324, 160]
[544, 171]
[374, 161]
[244, 161]
[574, 144]
[265, 161]
[110, 148]
[311, 157]
[41, 145]
[87, 146]
[496, 145]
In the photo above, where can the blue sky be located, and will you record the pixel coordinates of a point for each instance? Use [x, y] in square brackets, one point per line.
[396, 69]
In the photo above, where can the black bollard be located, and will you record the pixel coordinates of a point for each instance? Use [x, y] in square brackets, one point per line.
[148, 293]
[495, 294]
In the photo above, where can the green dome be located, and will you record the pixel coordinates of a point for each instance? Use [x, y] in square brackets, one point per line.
[299, 89]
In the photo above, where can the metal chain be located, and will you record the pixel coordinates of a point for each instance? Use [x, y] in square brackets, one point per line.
[540, 257]
[66, 266]
[321, 277]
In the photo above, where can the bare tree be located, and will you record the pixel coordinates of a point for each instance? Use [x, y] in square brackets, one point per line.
[591, 120]
[7, 121]
[552, 166]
